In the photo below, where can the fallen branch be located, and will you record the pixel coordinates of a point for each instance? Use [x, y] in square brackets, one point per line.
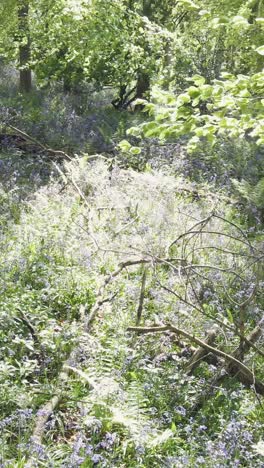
[231, 359]
[201, 352]
[220, 322]
[46, 410]
[193, 338]
[40, 145]
[231, 369]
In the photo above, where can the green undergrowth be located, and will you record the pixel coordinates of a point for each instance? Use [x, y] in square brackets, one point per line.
[129, 401]
[75, 122]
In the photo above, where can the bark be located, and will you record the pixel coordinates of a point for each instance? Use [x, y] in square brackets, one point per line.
[200, 353]
[143, 84]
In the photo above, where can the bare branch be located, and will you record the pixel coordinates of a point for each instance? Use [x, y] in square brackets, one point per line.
[142, 296]
[228, 357]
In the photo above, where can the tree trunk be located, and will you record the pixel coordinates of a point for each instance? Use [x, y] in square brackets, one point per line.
[146, 8]
[25, 77]
[142, 88]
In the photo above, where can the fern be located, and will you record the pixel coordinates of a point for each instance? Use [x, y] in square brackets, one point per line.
[253, 194]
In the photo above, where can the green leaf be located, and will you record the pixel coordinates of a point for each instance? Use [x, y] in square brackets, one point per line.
[260, 50]
[151, 129]
[259, 447]
[193, 92]
[230, 315]
[134, 131]
[135, 150]
[188, 4]
[183, 99]
[240, 21]
[173, 427]
[124, 145]
[198, 80]
[196, 101]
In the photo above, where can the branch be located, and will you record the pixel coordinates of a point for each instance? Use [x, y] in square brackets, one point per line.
[217, 320]
[29, 325]
[142, 296]
[201, 352]
[47, 409]
[228, 357]
[209, 232]
[40, 145]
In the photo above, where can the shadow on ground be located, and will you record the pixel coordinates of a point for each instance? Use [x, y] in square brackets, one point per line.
[21, 174]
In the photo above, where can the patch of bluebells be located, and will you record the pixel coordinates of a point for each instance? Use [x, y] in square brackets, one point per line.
[19, 417]
[37, 450]
[233, 445]
[76, 459]
[84, 449]
[108, 442]
[97, 458]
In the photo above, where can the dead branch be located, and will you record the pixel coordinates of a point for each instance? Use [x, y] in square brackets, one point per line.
[58, 153]
[40, 354]
[230, 359]
[201, 352]
[209, 232]
[217, 320]
[48, 408]
[123, 228]
[231, 369]
[24, 319]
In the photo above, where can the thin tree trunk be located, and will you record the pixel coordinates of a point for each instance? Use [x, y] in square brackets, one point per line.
[142, 88]
[143, 78]
[146, 8]
[25, 76]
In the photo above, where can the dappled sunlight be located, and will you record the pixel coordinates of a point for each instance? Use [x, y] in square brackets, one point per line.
[131, 233]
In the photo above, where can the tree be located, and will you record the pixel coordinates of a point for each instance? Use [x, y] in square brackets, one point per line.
[15, 38]
[223, 102]
[24, 47]
[120, 44]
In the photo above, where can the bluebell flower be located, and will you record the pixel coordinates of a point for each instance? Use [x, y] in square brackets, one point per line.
[181, 410]
[97, 458]
[89, 450]
[202, 428]
[140, 449]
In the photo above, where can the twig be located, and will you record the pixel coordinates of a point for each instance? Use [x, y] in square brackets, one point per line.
[208, 232]
[40, 354]
[29, 325]
[123, 228]
[141, 296]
